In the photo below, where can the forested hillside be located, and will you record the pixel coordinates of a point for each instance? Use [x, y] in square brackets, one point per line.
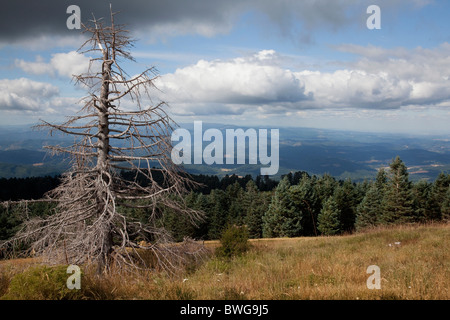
[298, 205]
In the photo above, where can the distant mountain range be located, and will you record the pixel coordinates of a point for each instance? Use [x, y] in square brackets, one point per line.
[343, 154]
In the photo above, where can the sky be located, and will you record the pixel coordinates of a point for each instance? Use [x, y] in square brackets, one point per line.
[261, 63]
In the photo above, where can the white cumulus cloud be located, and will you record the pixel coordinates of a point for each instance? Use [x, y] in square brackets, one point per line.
[61, 64]
[26, 95]
[253, 80]
[377, 79]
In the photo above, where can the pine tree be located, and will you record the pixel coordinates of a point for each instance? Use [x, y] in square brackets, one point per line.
[361, 190]
[398, 201]
[203, 205]
[305, 201]
[324, 187]
[370, 209]
[11, 217]
[345, 198]
[291, 225]
[422, 204]
[445, 208]
[178, 225]
[280, 207]
[218, 213]
[254, 204]
[438, 193]
[235, 196]
[381, 179]
[328, 220]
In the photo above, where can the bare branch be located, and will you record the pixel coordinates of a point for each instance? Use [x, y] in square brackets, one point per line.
[90, 223]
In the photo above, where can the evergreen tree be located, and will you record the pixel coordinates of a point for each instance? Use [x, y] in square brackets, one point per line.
[422, 204]
[381, 179]
[254, 204]
[324, 188]
[445, 207]
[202, 204]
[328, 220]
[398, 201]
[294, 178]
[280, 207]
[264, 183]
[235, 194]
[11, 218]
[304, 200]
[369, 210]
[361, 190]
[218, 213]
[438, 193]
[291, 223]
[345, 198]
[177, 225]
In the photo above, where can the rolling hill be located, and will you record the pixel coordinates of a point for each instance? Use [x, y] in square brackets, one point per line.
[343, 154]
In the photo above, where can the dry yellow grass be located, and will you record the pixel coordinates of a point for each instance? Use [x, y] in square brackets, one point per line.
[335, 267]
[308, 268]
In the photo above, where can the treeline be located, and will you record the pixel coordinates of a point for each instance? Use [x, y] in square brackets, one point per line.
[12, 215]
[304, 205]
[298, 205]
[14, 189]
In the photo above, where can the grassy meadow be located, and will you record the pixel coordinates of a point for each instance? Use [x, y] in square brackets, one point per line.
[414, 263]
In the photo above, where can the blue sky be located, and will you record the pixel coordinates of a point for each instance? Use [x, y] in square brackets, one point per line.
[254, 63]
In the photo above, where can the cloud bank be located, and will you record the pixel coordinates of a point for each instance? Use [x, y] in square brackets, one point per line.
[378, 79]
[22, 21]
[250, 81]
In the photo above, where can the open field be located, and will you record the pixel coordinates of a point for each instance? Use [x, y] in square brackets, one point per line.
[414, 263]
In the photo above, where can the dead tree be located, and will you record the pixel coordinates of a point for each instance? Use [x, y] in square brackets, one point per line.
[119, 129]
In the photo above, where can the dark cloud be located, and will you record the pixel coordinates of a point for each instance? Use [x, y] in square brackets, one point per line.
[24, 19]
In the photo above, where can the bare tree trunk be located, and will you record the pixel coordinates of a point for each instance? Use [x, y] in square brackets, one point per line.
[90, 221]
[102, 162]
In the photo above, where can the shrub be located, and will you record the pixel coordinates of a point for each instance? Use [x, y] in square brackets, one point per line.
[234, 241]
